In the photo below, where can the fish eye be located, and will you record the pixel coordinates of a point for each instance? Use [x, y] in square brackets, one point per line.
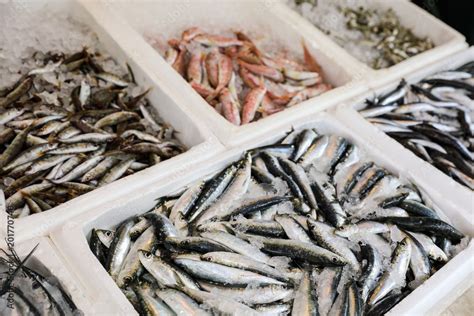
[334, 259]
[108, 233]
[147, 255]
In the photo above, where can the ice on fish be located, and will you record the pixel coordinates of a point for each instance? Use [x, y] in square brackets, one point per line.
[270, 252]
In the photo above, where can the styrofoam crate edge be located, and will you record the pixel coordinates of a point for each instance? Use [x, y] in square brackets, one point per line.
[71, 241]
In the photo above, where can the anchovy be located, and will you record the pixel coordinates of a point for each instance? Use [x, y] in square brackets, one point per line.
[99, 170]
[89, 138]
[363, 227]
[79, 170]
[326, 288]
[430, 226]
[20, 89]
[418, 209]
[433, 251]
[353, 304]
[118, 249]
[75, 148]
[315, 151]
[10, 114]
[257, 205]
[46, 163]
[305, 303]
[16, 200]
[112, 78]
[243, 262]
[194, 244]
[152, 306]
[278, 150]
[29, 155]
[187, 200]
[67, 166]
[275, 168]
[222, 274]
[300, 250]
[325, 197]
[237, 245]
[163, 272]
[212, 191]
[237, 187]
[333, 153]
[221, 305]
[14, 148]
[292, 228]
[97, 247]
[324, 234]
[372, 271]
[299, 176]
[394, 277]
[116, 172]
[305, 139]
[38, 127]
[180, 303]
[258, 227]
[265, 294]
[131, 264]
[419, 261]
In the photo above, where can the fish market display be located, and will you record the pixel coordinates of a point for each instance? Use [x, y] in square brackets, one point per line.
[70, 126]
[25, 291]
[433, 119]
[238, 79]
[374, 36]
[307, 226]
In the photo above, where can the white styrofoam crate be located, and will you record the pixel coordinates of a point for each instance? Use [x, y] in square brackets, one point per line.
[447, 41]
[437, 181]
[47, 261]
[262, 18]
[71, 238]
[200, 142]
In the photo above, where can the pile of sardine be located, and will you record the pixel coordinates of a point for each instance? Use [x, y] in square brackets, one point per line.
[433, 119]
[238, 79]
[69, 126]
[25, 291]
[307, 226]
